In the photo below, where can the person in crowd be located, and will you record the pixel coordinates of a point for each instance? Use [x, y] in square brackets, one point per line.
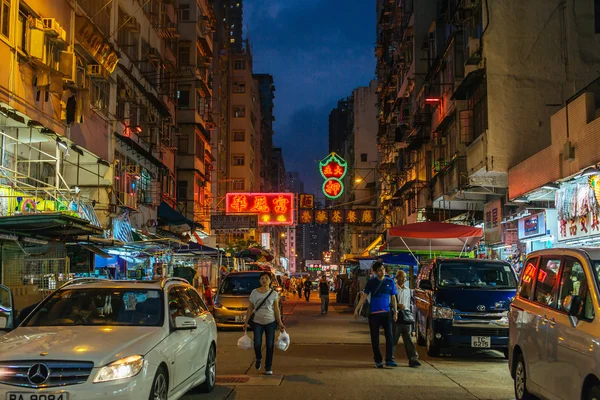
[324, 294]
[383, 313]
[300, 286]
[403, 329]
[307, 288]
[264, 304]
[286, 284]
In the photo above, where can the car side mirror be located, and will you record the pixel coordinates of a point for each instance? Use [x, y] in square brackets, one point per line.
[425, 285]
[7, 312]
[185, 324]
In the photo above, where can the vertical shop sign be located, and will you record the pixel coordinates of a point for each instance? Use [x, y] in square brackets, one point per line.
[493, 215]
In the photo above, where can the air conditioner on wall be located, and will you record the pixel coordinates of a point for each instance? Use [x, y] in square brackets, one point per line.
[68, 66]
[52, 27]
[36, 44]
[97, 71]
[473, 46]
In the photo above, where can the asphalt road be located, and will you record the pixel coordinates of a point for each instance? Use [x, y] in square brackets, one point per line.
[330, 358]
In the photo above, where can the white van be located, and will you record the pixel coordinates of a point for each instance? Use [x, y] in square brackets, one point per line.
[554, 335]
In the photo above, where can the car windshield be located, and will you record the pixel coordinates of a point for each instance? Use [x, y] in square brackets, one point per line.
[100, 307]
[476, 275]
[240, 285]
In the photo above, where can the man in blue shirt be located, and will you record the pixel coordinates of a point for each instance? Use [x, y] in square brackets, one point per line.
[384, 312]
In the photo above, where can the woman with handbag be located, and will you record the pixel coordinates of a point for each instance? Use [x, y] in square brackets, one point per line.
[402, 327]
[264, 316]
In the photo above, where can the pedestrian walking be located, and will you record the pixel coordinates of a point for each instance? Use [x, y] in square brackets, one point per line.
[383, 313]
[300, 285]
[324, 294]
[307, 288]
[266, 318]
[403, 325]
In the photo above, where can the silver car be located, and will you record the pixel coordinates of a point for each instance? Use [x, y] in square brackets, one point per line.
[554, 344]
[232, 300]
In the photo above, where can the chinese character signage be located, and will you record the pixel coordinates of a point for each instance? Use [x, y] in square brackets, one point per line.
[492, 216]
[579, 227]
[337, 216]
[307, 201]
[233, 223]
[333, 168]
[271, 208]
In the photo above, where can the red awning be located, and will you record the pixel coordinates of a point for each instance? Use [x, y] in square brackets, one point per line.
[435, 230]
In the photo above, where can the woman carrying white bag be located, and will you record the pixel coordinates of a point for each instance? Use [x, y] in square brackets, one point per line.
[263, 316]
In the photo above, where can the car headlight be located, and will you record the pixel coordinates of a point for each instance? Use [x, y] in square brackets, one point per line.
[218, 306]
[443, 313]
[121, 369]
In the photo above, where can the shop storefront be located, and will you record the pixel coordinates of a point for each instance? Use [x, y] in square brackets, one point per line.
[578, 210]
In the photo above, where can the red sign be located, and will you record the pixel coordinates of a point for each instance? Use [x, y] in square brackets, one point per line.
[272, 208]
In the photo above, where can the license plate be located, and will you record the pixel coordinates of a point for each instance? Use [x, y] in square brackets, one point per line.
[481, 342]
[37, 396]
[240, 318]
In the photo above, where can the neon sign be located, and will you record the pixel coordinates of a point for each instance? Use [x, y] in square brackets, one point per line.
[271, 208]
[333, 169]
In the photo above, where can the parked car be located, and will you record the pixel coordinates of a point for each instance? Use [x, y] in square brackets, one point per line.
[233, 298]
[94, 339]
[554, 333]
[464, 303]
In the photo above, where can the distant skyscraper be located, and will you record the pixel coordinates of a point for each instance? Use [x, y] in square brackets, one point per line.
[340, 125]
[295, 184]
[236, 20]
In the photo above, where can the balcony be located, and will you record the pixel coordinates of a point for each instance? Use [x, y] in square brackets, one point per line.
[205, 38]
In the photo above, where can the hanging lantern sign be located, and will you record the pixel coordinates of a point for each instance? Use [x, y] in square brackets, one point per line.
[333, 169]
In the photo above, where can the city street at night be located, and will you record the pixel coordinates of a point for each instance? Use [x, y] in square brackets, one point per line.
[330, 357]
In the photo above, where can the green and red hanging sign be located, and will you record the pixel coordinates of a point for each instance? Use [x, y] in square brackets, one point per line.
[333, 168]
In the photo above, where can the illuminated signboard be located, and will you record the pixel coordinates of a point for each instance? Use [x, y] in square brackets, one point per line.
[271, 208]
[337, 216]
[333, 168]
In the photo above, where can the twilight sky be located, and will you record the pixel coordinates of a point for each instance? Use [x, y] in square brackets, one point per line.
[317, 52]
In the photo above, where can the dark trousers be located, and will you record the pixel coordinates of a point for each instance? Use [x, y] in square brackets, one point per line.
[299, 292]
[404, 330]
[269, 331]
[324, 303]
[377, 321]
[307, 294]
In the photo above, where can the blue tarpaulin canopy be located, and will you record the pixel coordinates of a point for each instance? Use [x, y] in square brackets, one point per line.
[399, 259]
[172, 216]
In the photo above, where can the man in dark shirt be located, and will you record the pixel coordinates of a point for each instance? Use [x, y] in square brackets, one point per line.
[383, 312]
[307, 288]
[324, 294]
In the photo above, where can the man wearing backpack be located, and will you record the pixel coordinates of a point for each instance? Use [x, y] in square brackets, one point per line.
[383, 313]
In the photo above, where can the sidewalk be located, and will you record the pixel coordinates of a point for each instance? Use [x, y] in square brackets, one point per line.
[330, 357]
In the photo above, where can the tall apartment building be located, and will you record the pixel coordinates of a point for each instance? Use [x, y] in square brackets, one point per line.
[197, 22]
[340, 125]
[244, 125]
[277, 178]
[266, 87]
[464, 96]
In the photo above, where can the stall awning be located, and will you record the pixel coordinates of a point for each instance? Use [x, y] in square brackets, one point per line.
[97, 251]
[195, 249]
[50, 226]
[172, 216]
[432, 236]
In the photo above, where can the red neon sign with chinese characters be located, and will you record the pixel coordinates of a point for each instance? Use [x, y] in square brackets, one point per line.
[333, 168]
[272, 208]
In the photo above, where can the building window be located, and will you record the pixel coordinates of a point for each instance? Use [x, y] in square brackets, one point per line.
[184, 54]
[184, 12]
[239, 64]
[239, 184]
[183, 143]
[239, 87]
[478, 104]
[100, 94]
[183, 97]
[239, 160]
[239, 111]
[182, 187]
[239, 136]
[21, 32]
[199, 148]
[363, 157]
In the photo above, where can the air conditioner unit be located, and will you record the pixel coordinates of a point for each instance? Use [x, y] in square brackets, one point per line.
[97, 71]
[68, 66]
[133, 169]
[36, 44]
[473, 46]
[35, 23]
[52, 27]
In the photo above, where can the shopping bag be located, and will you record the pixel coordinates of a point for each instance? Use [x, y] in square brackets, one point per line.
[245, 343]
[283, 341]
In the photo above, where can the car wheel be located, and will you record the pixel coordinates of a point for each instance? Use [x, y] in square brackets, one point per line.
[594, 393]
[520, 380]
[160, 386]
[432, 350]
[210, 371]
[420, 339]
